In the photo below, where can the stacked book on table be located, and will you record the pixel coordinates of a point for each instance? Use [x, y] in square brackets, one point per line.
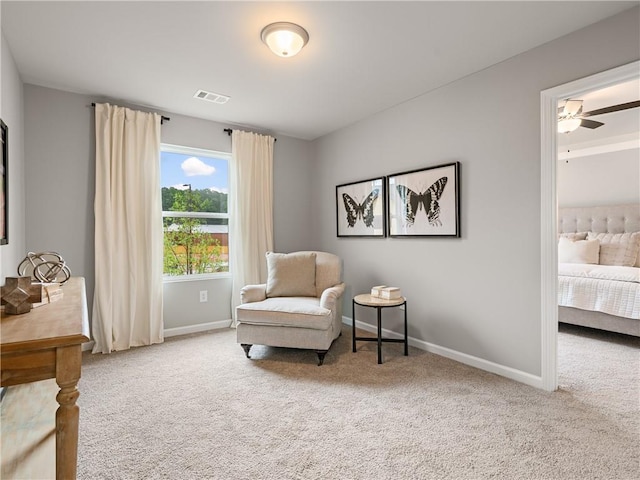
[386, 293]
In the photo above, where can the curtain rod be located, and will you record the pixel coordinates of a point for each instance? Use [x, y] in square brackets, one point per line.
[230, 131]
[162, 117]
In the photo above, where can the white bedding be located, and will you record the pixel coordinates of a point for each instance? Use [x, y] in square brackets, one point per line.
[601, 288]
[603, 272]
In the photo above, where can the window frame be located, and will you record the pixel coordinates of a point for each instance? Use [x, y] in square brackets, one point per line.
[172, 148]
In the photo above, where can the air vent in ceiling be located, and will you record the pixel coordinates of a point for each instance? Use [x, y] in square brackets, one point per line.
[211, 97]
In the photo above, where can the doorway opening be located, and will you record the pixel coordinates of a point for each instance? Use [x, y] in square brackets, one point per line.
[549, 204]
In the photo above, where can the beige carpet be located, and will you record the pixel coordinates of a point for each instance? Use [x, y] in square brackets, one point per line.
[196, 408]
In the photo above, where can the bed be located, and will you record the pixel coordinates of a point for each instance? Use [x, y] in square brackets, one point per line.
[599, 267]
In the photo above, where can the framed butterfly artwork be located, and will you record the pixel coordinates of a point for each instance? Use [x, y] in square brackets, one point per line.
[360, 208]
[425, 202]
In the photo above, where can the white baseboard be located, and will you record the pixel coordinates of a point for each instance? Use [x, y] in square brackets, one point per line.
[201, 327]
[174, 332]
[502, 370]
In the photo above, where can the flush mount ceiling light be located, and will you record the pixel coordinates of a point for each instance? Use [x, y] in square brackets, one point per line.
[284, 39]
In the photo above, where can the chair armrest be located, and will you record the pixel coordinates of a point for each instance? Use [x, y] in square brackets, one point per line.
[253, 293]
[331, 296]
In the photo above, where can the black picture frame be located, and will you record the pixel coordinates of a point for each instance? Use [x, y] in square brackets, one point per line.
[4, 184]
[360, 208]
[424, 202]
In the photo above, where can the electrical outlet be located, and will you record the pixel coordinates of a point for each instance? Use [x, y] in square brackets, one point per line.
[203, 296]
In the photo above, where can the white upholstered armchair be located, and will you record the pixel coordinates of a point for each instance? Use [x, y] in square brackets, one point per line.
[300, 306]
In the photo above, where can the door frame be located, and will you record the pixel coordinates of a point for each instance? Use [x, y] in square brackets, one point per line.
[549, 205]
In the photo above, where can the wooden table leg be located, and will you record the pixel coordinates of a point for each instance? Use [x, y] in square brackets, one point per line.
[68, 363]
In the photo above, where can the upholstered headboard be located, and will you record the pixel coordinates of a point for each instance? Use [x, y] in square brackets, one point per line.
[603, 219]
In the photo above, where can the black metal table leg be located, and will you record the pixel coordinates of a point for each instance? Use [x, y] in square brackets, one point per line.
[353, 329]
[406, 343]
[379, 335]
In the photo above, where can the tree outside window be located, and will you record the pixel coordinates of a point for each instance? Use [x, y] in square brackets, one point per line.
[195, 214]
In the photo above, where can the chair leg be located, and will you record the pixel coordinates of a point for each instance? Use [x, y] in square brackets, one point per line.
[246, 348]
[321, 354]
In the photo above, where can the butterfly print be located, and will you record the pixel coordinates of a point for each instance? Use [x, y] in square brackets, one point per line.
[362, 210]
[413, 202]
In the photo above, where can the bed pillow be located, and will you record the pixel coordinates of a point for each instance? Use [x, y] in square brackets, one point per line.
[291, 274]
[617, 248]
[573, 236]
[580, 251]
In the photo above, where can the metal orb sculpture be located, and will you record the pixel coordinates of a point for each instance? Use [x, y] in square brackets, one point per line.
[45, 267]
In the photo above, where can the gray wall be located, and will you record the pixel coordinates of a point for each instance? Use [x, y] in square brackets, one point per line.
[11, 112]
[60, 173]
[60, 146]
[478, 295]
[605, 179]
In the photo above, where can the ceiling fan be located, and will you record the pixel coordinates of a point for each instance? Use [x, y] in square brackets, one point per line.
[571, 116]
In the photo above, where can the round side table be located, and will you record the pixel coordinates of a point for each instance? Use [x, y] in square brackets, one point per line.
[366, 300]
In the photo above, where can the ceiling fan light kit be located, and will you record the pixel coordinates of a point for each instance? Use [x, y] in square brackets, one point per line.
[571, 116]
[568, 125]
[285, 39]
[571, 108]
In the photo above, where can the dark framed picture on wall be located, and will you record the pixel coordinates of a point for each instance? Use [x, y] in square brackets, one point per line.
[4, 181]
[425, 202]
[360, 208]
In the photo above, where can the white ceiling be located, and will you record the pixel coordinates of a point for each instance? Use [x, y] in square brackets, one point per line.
[362, 57]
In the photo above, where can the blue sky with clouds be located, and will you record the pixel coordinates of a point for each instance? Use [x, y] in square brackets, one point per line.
[198, 170]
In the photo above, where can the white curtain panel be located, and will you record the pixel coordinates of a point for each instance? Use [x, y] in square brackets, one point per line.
[251, 209]
[127, 306]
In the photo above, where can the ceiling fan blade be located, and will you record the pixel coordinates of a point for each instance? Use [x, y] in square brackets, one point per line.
[611, 109]
[590, 123]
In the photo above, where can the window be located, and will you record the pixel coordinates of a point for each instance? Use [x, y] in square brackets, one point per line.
[194, 209]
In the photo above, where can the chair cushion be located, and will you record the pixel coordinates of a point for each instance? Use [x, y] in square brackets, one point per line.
[291, 274]
[303, 312]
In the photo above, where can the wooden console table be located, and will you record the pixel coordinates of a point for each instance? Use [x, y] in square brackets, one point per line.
[47, 343]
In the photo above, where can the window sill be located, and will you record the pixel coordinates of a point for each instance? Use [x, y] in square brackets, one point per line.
[195, 278]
